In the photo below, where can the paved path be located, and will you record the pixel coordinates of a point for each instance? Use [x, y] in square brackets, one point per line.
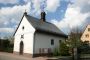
[9, 56]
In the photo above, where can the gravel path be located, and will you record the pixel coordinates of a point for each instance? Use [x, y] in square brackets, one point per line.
[9, 56]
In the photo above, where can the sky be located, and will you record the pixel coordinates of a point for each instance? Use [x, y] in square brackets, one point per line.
[65, 14]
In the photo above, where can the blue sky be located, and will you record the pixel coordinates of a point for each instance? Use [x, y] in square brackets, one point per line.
[65, 14]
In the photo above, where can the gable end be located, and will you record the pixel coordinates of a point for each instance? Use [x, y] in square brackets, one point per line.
[19, 25]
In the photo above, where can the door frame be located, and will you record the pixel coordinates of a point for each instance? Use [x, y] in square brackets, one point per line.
[21, 48]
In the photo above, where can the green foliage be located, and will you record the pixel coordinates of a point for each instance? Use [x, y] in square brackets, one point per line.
[63, 49]
[84, 48]
[5, 45]
[74, 40]
[56, 52]
[9, 49]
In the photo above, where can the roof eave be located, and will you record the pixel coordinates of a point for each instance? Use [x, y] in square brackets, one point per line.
[52, 33]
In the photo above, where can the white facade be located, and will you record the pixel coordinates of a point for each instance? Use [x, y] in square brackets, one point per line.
[34, 41]
[43, 41]
[28, 37]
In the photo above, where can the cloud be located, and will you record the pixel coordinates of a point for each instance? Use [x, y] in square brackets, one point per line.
[73, 18]
[26, 0]
[52, 5]
[10, 17]
[6, 30]
[77, 14]
[83, 5]
[15, 9]
[9, 1]
[36, 7]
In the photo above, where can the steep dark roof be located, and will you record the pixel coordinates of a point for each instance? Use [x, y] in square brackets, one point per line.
[44, 26]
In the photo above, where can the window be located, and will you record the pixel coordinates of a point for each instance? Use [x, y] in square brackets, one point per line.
[59, 41]
[52, 41]
[22, 36]
[88, 29]
[23, 28]
[87, 35]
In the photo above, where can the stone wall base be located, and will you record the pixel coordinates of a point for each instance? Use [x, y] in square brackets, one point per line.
[33, 55]
[43, 54]
[24, 54]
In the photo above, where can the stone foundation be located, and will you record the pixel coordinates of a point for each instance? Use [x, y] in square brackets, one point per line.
[34, 55]
[24, 54]
[43, 54]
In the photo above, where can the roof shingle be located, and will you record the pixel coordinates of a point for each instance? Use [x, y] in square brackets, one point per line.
[44, 26]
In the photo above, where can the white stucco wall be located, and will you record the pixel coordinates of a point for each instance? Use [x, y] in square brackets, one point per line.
[44, 41]
[28, 37]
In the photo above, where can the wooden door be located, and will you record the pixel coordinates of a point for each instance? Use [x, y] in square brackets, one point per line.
[21, 48]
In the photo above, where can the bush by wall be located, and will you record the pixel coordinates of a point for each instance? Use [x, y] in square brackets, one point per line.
[56, 52]
[63, 49]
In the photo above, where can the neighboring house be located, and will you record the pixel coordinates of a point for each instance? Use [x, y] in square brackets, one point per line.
[34, 37]
[86, 34]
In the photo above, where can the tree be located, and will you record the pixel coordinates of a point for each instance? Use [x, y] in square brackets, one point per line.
[74, 42]
[74, 38]
[63, 49]
[10, 38]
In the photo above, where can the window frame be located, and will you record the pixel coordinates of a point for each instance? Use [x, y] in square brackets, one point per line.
[52, 41]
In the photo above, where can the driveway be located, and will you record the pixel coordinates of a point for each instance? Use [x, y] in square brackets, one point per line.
[9, 56]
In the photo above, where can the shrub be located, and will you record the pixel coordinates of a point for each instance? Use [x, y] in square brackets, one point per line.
[5, 46]
[84, 48]
[56, 52]
[63, 49]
